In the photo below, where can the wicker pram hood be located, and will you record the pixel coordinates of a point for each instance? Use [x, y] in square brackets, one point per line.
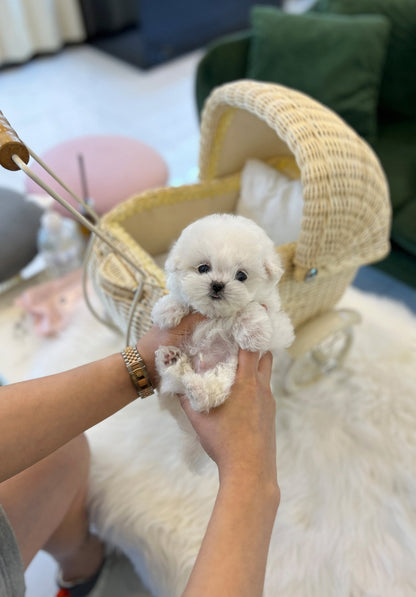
[347, 213]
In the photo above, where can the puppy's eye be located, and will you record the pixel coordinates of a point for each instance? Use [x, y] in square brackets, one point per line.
[241, 276]
[204, 268]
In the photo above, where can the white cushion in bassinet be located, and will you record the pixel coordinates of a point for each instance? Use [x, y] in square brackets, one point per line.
[272, 200]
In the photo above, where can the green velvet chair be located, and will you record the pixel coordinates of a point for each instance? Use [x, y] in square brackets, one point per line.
[359, 58]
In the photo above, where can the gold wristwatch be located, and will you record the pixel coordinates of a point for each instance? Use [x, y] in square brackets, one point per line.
[137, 371]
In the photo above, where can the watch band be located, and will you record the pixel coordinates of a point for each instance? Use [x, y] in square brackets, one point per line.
[137, 371]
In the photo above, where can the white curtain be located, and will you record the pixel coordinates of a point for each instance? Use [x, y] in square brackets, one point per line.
[28, 27]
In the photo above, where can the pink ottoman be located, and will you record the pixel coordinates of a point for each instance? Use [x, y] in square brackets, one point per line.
[116, 167]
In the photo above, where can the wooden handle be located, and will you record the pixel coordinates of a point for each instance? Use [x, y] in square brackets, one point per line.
[10, 145]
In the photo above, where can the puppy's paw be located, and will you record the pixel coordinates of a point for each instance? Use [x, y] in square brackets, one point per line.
[166, 356]
[253, 329]
[284, 334]
[202, 400]
[197, 394]
[167, 313]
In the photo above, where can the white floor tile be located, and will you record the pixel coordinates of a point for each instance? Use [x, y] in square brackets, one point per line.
[83, 91]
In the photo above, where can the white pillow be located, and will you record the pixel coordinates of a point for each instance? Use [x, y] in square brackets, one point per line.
[272, 200]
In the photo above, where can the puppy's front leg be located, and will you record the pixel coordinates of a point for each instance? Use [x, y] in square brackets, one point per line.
[171, 364]
[253, 329]
[167, 312]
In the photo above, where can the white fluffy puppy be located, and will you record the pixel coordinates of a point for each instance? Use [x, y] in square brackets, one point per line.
[226, 268]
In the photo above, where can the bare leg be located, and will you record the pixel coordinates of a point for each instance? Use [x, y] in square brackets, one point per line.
[46, 506]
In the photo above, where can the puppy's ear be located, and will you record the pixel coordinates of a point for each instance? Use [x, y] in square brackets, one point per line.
[173, 262]
[273, 266]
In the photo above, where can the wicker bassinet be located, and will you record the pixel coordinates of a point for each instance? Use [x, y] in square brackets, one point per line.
[346, 214]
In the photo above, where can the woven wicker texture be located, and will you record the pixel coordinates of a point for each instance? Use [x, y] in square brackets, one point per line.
[346, 215]
[115, 285]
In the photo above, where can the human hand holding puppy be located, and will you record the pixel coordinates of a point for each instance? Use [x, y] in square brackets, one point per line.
[240, 434]
[240, 437]
[156, 337]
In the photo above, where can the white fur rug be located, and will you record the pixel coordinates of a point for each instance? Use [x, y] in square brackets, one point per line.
[346, 526]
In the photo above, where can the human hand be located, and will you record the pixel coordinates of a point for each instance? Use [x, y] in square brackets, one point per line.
[240, 435]
[157, 337]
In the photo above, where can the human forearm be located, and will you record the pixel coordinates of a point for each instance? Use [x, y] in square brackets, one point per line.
[240, 437]
[233, 555]
[38, 416]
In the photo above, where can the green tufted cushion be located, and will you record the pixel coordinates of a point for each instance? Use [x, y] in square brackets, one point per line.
[335, 59]
[398, 87]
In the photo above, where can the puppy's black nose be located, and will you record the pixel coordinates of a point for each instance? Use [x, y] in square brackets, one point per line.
[217, 287]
